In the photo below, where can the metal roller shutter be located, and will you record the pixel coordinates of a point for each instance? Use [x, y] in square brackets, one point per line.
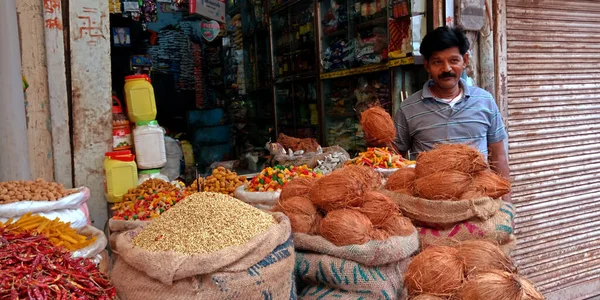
[553, 49]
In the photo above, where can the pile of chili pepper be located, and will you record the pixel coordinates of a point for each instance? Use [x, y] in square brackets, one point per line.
[149, 206]
[380, 158]
[32, 268]
[273, 179]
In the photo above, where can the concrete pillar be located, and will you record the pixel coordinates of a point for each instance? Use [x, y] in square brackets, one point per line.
[14, 155]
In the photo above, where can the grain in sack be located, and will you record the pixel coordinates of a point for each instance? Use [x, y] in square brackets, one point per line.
[370, 271]
[197, 250]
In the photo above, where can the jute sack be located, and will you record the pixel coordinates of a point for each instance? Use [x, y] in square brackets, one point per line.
[498, 229]
[115, 227]
[261, 269]
[443, 214]
[374, 270]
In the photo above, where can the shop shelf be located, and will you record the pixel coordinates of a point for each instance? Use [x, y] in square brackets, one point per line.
[283, 6]
[354, 71]
[373, 23]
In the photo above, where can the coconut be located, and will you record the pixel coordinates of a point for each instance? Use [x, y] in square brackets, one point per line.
[346, 227]
[481, 255]
[367, 177]
[377, 207]
[490, 184]
[438, 271]
[299, 186]
[450, 157]
[499, 285]
[378, 125]
[336, 191]
[397, 225]
[445, 185]
[403, 179]
[302, 213]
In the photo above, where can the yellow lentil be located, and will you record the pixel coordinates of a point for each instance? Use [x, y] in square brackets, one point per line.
[204, 223]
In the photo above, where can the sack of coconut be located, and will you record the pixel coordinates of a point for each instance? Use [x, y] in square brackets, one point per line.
[467, 270]
[209, 246]
[373, 270]
[351, 242]
[452, 193]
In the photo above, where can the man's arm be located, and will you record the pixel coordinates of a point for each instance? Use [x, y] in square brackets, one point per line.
[403, 138]
[499, 162]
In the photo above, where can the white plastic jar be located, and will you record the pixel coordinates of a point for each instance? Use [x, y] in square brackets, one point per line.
[144, 175]
[149, 141]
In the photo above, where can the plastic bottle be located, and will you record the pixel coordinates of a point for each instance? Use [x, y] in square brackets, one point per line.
[149, 140]
[144, 175]
[120, 174]
[139, 94]
[121, 128]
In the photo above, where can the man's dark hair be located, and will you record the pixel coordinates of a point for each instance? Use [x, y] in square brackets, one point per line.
[443, 38]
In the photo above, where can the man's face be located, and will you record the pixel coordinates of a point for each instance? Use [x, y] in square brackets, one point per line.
[446, 66]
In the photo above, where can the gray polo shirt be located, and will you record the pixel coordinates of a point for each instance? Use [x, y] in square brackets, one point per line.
[424, 121]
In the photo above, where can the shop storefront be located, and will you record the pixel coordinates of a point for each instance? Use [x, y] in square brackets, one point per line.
[307, 69]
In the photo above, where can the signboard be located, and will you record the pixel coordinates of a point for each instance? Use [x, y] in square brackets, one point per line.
[212, 9]
[209, 30]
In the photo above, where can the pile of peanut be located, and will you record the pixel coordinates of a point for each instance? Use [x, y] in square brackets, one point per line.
[221, 181]
[38, 190]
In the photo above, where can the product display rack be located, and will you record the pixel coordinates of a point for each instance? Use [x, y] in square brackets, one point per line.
[354, 74]
[259, 82]
[357, 70]
[294, 63]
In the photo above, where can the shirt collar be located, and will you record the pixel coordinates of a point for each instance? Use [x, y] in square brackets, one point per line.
[428, 95]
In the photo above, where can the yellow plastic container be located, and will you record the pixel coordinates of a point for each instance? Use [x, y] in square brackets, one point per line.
[139, 95]
[120, 174]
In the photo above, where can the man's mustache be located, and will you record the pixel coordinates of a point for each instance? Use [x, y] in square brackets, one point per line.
[447, 75]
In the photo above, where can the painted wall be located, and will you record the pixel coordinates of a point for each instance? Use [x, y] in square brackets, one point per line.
[57, 92]
[33, 66]
[91, 97]
[14, 161]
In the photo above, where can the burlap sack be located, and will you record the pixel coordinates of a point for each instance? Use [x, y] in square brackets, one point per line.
[498, 229]
[260, 269]
[374, 270]
[443, 214]
[118, 226]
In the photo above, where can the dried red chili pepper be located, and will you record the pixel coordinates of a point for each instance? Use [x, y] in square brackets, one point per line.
[31, 267]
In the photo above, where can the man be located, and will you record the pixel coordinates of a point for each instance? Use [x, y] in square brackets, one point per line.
[446, 110]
